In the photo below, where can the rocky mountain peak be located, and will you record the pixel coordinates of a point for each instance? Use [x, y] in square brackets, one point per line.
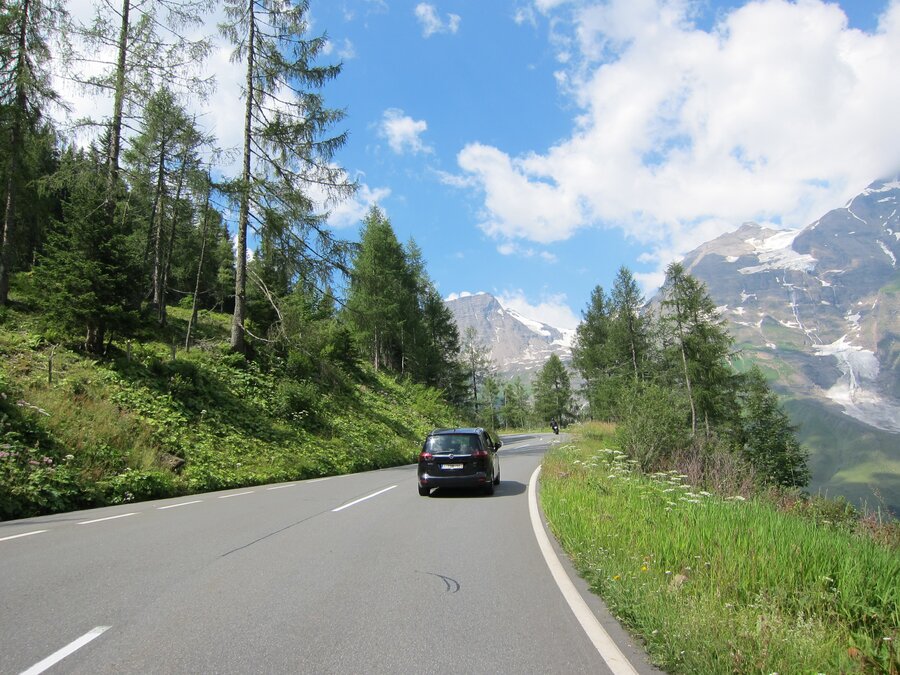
[518, 345]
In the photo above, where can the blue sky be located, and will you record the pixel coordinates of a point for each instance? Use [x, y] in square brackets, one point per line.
[531, 147]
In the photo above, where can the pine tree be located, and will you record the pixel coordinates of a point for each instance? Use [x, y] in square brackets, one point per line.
[766, 438]
[516, 409]
[477, 365]
[553, 392]
[628, 330]
[591, 355]
[700, 342]
[379, 293]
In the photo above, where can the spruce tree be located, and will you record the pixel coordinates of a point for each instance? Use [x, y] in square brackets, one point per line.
[553, 392]
[86, 275]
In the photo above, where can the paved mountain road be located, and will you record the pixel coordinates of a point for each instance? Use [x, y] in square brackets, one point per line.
[351, 574]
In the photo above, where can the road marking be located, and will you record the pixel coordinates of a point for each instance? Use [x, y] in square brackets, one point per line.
[24, 534]
[362, 499]
[236, 494]
[100, 520]
[279, 487]
[607, 648]
[175, 506]
[58, 656]
[318, 480]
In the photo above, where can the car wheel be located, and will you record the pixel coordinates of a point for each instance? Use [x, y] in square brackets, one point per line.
[489, 488]
[497, 479]
[424, 491]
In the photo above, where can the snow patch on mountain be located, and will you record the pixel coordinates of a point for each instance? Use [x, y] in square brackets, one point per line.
[776, 253]
[854, 390]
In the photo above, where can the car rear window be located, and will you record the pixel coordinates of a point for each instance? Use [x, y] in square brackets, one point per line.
[458, 444]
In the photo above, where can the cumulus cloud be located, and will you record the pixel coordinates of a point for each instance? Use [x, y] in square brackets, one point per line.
[402, 132]
[431, 21]
[778, 113]
[351, 212]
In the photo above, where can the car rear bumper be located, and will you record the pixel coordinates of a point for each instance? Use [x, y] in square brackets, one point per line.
[470, 480]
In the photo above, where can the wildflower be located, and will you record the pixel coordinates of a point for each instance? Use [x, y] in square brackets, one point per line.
[643, 568]
[616, 577]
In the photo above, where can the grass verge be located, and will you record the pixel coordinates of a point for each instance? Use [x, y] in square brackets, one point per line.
[716, 584]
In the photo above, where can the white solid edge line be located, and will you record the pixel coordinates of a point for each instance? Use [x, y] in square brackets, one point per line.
[362, 499]
[607, 648]
[58, 656]
[24, 534]
[100, 520]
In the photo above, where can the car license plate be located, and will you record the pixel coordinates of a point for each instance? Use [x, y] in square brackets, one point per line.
[451, 467]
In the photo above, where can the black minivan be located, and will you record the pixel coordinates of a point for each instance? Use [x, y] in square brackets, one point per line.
[459, 458]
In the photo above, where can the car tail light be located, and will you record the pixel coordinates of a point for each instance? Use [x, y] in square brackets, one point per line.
[427, 456]
[480, 454]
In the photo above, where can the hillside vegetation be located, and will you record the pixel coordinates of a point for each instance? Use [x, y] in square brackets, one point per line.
[117, 428]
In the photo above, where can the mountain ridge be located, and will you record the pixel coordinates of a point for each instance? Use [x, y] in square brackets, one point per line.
[518, 345]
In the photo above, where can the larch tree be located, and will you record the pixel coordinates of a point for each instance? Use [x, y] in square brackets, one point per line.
[140, 45]
[288, 146]
[628, 330]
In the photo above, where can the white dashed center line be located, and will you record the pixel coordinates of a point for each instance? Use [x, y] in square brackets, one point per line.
[362, 499]
[236, 494]
[24, 534]
[175, 506]
[100, 520]
[279, 487]
[70, 648]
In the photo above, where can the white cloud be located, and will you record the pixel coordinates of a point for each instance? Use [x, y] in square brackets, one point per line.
[778, 113]
[431, 21]
[402, 132]
[550, 309]
[344, 50]
[462, 294]
[351, 212]
[513, 248]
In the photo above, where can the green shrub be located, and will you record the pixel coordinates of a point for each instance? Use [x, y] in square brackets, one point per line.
[137, 485]
[299, 402]
[652, 424]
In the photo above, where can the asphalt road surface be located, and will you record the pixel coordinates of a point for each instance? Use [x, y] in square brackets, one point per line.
[351, 574]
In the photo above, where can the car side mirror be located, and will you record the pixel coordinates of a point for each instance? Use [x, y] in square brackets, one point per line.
[497, 445]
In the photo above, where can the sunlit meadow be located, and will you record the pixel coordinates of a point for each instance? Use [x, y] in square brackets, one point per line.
[718, 583]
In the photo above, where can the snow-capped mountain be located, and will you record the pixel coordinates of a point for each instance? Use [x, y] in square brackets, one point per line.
[820, 307]
[517, 344]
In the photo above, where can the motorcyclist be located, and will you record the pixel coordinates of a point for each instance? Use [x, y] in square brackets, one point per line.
[554, 426]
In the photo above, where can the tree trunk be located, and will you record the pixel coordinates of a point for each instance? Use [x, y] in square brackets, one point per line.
[167, 260]
[156, 226]
[203, 226]
[93, 341]
[115, 131]
[240, 278]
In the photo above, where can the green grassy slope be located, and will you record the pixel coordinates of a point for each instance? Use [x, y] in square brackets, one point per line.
[139, 424]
